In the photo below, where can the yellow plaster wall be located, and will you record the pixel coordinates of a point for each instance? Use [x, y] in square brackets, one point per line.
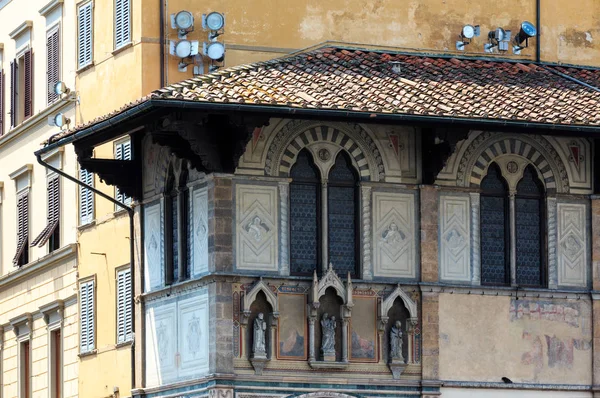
[481, 339]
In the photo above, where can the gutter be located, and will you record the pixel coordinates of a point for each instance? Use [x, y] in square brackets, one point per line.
[538, 18]
[130, 212]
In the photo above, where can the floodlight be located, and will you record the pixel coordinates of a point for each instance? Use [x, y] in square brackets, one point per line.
[213, 21]
[184, 48]
[499, 39]
[527, 30]
[59, 120]
[215, 51]
[184, 20]
[61, 88]
[466, 34]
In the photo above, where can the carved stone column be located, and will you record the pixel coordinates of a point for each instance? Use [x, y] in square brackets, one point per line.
[552, 260]
[345, 323]
[284, 234]
[513, 238]
[311, 337]
[367, 264]
[324, 229]
[475, 239]
[380, 333]
[595, 222]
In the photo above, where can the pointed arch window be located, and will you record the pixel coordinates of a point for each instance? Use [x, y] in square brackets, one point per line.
[323, 216]
[512, 229]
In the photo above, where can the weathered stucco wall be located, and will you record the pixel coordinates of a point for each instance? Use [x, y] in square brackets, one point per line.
[527, 340]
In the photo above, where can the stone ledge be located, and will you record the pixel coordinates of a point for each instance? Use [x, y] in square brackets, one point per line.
[328, 365]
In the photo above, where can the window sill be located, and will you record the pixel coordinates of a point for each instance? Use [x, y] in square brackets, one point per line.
[124, 344]
[87, 353]
[86, 226]
[122, 48]
[86, 67]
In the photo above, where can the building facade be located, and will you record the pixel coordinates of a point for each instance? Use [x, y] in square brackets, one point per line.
[347, 223]
[39, 336]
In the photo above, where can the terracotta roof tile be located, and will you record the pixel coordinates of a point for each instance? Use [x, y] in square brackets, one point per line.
[375, 82]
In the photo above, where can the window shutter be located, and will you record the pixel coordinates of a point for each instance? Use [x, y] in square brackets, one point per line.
[123, 152]
[86, 300]
[14, 68]
[53, 63]
[122, 23]
[84, 39]
[86, 197]
[22, 226]
[28, 95]
[124, 319]
[53, 212]
[2, 110]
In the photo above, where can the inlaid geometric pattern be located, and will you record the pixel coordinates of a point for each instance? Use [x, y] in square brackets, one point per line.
[256, 227]
[153, 246]
[455, 258]
[394, 235]
[199, 213]
[572, 251]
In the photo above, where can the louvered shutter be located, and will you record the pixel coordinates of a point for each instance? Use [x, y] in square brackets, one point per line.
[53, 63]
[14, 70]
[53, 212]
[86, 198]
[123, 152]
[124, 318]
[22, 226]
[86, 316]
[2, 110]
[84, 36]
[28, 78]
[122, 23]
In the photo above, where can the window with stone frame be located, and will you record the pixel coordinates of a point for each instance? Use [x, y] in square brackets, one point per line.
[512, 229]
[324, 209]
[177, 227]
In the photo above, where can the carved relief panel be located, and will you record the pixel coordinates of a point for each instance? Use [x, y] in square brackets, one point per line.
[199, 225]
[193, 335]
[153, 246]
[256, 227]
[394, 235]
[161, 344]
[455, 258]
[572, 244]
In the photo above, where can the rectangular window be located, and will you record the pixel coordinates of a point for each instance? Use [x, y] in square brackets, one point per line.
[22, 255]
[86, 198]
[55, 363]
[122, 23]
[52, 62]
[51, 233]
[85, 35]
[123, 152]
[25, 370]
[124, 315]
[87, 338]
[21, 88]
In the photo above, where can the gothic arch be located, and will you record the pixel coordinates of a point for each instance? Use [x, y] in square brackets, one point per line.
[410, 305]
[487, 147]
[297, 134]
[260, 286]
[331, 279]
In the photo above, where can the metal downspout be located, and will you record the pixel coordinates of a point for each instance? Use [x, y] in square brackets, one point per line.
[538, 19]
[161, 4]
[131, 213]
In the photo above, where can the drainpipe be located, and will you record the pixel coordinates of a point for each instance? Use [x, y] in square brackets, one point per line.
[538, 28]
[161, 4]
[130, 212]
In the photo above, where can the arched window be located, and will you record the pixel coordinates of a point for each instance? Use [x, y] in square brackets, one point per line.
[529, 209]
[495, 233]
[177, 234]
[342, 201]
[304, 215]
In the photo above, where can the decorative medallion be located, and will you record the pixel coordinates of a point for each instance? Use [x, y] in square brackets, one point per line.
[392, 240]
[512, 167]
[194, 335]
[572, 248]
[256, 228]
[324, 154]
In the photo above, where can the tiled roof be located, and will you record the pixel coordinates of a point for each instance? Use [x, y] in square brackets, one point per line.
[387, 83]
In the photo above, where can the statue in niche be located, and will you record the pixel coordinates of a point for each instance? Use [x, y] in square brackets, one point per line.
[259, 346]
[396, 342]
[328, 334]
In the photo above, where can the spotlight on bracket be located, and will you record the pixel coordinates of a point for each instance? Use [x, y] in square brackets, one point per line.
[214, 50]
[185, 50]
[214, 22]
[527, 31]
[497, 39]
[466, 34]
[59, 120]
[183, 21]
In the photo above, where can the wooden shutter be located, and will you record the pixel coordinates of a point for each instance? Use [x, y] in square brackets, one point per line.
[124, 319]
[53, 63]
[2, 110]
[85, 35]
[28, 89]
[22, 226]
[123, 152]
[14, 78]
[86, 197]
[53, 212]
[122, 22]
[86, 316]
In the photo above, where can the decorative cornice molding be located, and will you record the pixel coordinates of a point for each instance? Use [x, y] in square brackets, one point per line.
[45, 10]
[20, 171]
[20, 29]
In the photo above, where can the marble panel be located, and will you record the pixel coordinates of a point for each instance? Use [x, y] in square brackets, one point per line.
[454, 242]
[199, 216]
[572, 244]
[153, 246]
